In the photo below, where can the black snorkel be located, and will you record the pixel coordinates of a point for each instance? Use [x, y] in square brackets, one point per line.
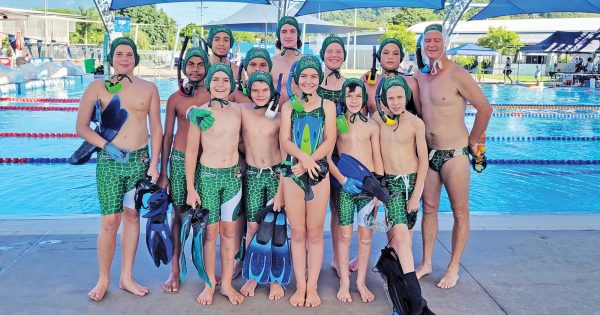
[273, 106]
[389, 120]
[373, 75]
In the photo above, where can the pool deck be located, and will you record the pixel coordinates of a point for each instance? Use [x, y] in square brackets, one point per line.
[513, 264]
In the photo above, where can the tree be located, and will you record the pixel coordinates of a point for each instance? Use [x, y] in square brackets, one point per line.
[159, 27]
[411, 16]
[190, 29]
[501, 40]
[401, 33]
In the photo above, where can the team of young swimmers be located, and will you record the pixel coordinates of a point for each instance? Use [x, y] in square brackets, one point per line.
[224, 135]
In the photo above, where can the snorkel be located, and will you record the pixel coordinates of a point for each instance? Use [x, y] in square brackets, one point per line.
[184, 90]
[373, 75]
[294, 101]
[273, 106]
[389, 120]
[240, 85]
[190, 87]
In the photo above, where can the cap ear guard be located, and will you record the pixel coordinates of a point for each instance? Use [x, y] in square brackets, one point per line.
[387, 119]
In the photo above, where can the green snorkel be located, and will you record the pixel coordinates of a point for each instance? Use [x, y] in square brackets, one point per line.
[294, 101]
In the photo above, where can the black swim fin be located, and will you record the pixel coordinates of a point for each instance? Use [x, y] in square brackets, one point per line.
[110, 121]
[158, 233]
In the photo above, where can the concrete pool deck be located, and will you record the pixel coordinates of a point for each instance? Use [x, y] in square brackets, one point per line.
[514, 264]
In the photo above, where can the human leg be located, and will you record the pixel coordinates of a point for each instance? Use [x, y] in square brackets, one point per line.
[364, 251]
[296, 213]
[345, 218]
[315, 219]
[456, 178]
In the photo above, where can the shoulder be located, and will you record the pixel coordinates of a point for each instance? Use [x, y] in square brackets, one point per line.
[329, 106]
[417, 122]
[373, 125]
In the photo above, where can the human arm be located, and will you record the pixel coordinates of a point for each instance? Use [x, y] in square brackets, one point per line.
[84, 115]
[191, 159]
[415, 198]
[155, 133]
[414, 87]
[163, 179]
[468, 88]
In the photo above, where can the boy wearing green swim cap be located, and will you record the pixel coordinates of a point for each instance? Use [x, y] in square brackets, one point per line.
[261, 145]
[361, 141]
[390, 56]
[122, 161]
[215, 127]
[256, 59]
[194, 66]
[288, 43]
[404, 153]
[445, 92]
[220, 40]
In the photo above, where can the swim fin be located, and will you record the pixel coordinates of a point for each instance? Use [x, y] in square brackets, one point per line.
[109, 122]
[158, 233]
[198, 222]
[257, 263]
[281, 261]
[400, 288]
[186, 224]
[350, 167]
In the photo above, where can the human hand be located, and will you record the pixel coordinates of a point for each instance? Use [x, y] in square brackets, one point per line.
[193, 199]
[413, 205]
[120, 156]
[278, 202]
[352, 186]
[153, 174]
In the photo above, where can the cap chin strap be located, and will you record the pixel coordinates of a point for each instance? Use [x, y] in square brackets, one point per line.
[220, 100]
[437, 65]
[360, 115]
[394, 72]
[294, 51]
[335, 72]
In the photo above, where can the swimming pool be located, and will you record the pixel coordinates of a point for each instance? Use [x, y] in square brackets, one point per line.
[556, 137]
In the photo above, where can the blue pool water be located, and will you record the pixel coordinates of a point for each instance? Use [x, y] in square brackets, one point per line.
[64, 190]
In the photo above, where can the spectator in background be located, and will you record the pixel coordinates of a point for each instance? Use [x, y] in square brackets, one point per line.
[589, 66]
[537, 74]
[507, 70]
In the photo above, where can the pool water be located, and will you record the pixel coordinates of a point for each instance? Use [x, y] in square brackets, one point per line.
[38, 190]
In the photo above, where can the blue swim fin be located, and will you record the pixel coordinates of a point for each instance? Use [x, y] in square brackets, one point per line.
[186, 225]
[158, 233]
[109, 122]
[257, 263]
[350, 167]
[281, 261]
[198, 223]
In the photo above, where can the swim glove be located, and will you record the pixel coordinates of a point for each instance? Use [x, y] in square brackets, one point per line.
[201, 117]
[352, 186]
[120, 156]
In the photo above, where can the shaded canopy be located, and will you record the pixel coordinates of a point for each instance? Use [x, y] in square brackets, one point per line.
[472, 50]
[567, 42]
[122, 4]
[263, 18]
[512, 7]
[316, 6]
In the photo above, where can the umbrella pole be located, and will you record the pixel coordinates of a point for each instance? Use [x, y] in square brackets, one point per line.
[303, 37]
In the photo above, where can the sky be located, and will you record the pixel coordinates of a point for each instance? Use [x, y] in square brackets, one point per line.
[183, 13]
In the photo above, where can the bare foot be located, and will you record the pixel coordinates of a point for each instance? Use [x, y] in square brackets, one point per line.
[353, 266]
[312, 299]
[299, 297]
[237, 268]
[132, 287]
[206, 297]
[172, 284]
[97, 293]
[333, 266]
[365, 295]
[448, 280]
[422, 271]
[276, 292]
[343, 293]
[234, 296]
[248, 288]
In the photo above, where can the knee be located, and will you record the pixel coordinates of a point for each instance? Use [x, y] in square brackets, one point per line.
[315, 235]
[364, 241]
[429, 206]
[460, 213]
[298, 235]
[345, 237]
[110, 224]
[211, 235]
[401, 240]
[227, 233]
[131, 216]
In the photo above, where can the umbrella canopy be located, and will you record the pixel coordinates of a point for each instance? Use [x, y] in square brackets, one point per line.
[122, 4]
[567, 42]
[472, 50]
[263, 18]
[512, 7]
[316, 6]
